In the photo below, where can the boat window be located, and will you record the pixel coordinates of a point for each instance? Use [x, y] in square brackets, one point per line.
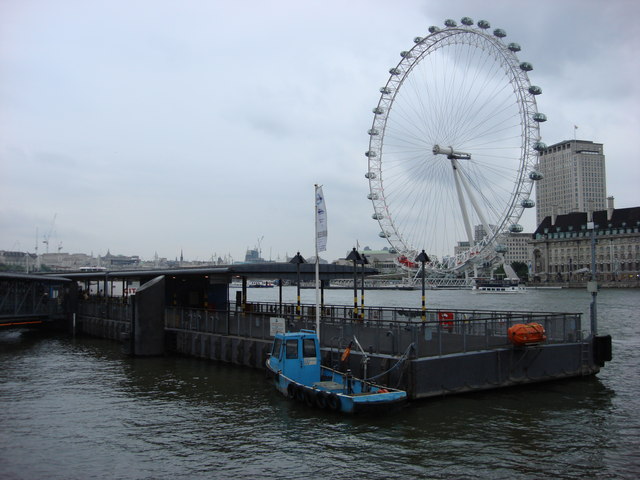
[277, 347]
[292, 348]
[308, 347]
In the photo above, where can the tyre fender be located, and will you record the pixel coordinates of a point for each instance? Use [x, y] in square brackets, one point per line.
[333, 402]
[291, 391]
[321, 400]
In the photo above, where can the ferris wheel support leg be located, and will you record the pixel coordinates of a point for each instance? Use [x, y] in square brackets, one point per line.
[463, 206]
[475, 205]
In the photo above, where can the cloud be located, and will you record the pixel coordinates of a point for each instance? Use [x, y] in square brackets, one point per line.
[155, 126]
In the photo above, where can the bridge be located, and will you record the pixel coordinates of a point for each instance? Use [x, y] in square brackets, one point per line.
[31, 300]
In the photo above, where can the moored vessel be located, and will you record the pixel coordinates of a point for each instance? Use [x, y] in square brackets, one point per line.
[297, 372]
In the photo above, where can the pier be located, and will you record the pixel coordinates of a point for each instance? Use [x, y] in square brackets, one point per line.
[431, 353]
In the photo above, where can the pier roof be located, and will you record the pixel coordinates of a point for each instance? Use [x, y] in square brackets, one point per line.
[269, 270]
[33, 277]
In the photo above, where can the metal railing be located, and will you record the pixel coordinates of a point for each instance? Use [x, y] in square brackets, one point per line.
[109, 310]
[379, 330]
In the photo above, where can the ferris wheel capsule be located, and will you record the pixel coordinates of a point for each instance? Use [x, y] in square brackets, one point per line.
[501, 248]
[540, 117]
[539, 146]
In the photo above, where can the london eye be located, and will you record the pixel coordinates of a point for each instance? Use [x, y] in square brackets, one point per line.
[453, 147]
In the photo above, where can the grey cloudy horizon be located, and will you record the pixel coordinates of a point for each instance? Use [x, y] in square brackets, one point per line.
[202, 126]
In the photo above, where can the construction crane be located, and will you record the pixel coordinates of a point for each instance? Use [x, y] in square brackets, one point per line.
[260, 246]
[47, 236]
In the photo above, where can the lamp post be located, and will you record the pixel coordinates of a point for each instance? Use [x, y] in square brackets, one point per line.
[364, 262]
[592, 284]
[354, 256]
[297, 259]
[423, 258]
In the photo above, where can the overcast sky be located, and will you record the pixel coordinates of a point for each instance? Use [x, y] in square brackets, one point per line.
[200, 126]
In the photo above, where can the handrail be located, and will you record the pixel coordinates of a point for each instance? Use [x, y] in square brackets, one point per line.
[389, 333]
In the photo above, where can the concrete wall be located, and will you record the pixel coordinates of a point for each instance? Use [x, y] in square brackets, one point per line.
[148, 321]
[228, 349]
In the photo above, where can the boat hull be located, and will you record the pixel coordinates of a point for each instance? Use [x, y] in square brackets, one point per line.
[337, 392]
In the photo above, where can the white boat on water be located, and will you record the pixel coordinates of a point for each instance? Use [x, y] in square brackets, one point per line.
[492, 285]
[510, 283]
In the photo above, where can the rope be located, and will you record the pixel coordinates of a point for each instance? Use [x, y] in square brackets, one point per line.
[400, 361]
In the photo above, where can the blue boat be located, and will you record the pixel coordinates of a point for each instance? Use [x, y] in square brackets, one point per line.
[295, 366]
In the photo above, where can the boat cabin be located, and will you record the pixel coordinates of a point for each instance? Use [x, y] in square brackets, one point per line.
[297, 356]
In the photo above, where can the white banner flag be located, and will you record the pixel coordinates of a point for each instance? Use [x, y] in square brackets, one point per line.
[321, 221]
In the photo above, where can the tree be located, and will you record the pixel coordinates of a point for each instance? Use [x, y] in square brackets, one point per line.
[521, 269]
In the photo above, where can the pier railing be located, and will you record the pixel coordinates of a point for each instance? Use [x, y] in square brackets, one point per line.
[379, 330]
[118, 311]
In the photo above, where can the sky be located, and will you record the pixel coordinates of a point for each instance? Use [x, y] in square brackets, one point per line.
[146, 127]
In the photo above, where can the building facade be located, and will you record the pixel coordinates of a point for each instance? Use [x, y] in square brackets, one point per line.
[519, 248]
[574, 179]
[562, 247]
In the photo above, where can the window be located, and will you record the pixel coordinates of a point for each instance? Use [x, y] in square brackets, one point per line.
[276, 351]
[292, 348]
[308, 347]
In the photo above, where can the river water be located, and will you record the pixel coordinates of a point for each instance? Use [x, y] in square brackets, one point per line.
[80, 409]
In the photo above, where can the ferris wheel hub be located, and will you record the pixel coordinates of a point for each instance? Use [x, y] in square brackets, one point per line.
[450, 153]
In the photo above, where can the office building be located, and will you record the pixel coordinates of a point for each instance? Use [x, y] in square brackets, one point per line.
[574, 179]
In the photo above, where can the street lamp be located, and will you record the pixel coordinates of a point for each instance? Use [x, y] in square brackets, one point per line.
[423, 258]
[297, 259]
[355, 257]
[364, 262]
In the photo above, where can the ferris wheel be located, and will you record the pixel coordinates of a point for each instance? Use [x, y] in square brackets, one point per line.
[453, 147]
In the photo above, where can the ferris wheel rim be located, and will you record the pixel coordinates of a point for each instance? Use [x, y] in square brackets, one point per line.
[478, 37]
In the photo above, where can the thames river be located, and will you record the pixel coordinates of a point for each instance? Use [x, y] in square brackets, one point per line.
[80, 409]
